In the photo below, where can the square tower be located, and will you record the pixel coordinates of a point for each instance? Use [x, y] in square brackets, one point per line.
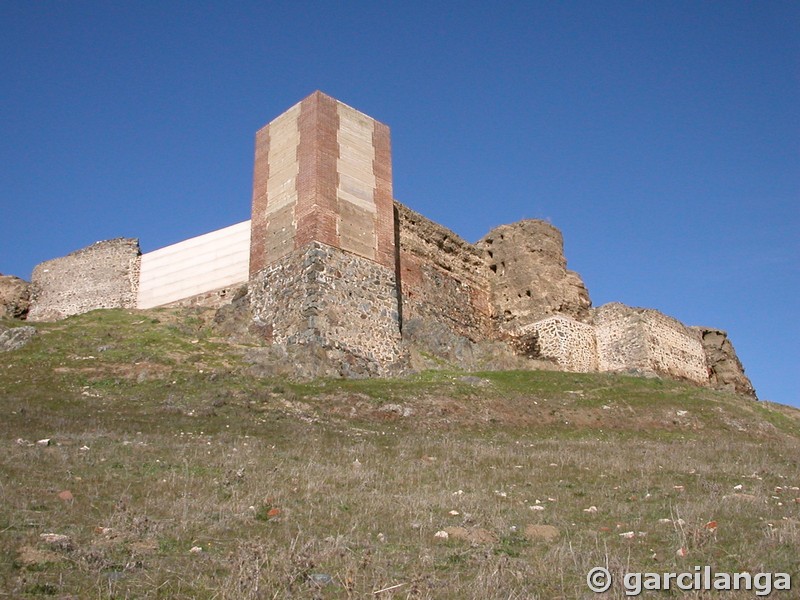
[323, 172]
[323, 252]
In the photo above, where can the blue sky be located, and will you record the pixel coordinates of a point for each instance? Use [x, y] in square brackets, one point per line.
[662, 138]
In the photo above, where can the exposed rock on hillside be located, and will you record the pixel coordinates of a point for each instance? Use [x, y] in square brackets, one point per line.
[725, 369]
[433, 345]
[529, 274]
[15, 337]
[15, 295]
[234, 321]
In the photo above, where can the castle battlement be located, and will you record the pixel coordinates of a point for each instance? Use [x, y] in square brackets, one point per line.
[332, 262]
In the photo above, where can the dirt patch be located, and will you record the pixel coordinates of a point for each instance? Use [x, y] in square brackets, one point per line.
[475, 535]
[29, 557]
[545, 533]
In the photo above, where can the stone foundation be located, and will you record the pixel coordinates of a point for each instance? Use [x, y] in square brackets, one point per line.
[327, 298]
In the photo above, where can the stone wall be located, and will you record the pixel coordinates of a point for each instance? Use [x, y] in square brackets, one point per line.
[569, 343]
[103, 275]
[323, 297]
[529, 277]
[442, 277]
[645, 340]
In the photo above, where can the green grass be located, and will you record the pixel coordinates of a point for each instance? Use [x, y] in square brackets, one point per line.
[324, 489]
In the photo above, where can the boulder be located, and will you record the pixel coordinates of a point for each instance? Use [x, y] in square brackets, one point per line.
[725, 370]
[15, 296]
[15, 338]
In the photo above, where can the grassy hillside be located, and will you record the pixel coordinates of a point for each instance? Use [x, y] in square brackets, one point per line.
[174, 472]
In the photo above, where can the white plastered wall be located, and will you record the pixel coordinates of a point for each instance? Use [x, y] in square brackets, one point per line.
[200, 264]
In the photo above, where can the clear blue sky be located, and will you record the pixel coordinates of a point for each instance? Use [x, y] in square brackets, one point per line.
[662, 138]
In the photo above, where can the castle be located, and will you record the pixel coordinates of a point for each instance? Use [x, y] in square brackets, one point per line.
[332, 261]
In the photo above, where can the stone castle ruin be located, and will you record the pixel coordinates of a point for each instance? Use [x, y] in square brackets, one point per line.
[333, 263]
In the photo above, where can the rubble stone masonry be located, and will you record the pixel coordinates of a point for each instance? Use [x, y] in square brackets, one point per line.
[325, 297]
[639, 339]
[569, 343]
[103, 275]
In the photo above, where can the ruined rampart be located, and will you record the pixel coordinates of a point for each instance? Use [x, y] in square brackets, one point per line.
[528, 275]
[15, 297]
[103, 275]
[725, 370]
[645, 340]
[335, 266]
[442, 277]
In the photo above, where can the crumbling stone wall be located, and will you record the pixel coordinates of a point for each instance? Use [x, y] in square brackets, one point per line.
[640, 339]
[323, 297]
[725, 370]
[569, 343]
[528, 275]
[103, 275]
[442, 277]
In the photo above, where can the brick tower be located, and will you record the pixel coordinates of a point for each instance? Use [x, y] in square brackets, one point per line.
[323, 249]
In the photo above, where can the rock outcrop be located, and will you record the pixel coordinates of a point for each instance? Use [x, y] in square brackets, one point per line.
[15, 297]
[529, 276]
[725, 370]
[15, 338]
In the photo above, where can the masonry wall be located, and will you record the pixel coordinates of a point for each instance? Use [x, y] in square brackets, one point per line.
[103, 275]
[571, 344]
[201, 267]
[442, 277]
[637, 339]
[335, 300]
[322, 173]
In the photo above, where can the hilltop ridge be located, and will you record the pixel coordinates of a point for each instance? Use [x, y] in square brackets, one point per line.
[336, 269]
